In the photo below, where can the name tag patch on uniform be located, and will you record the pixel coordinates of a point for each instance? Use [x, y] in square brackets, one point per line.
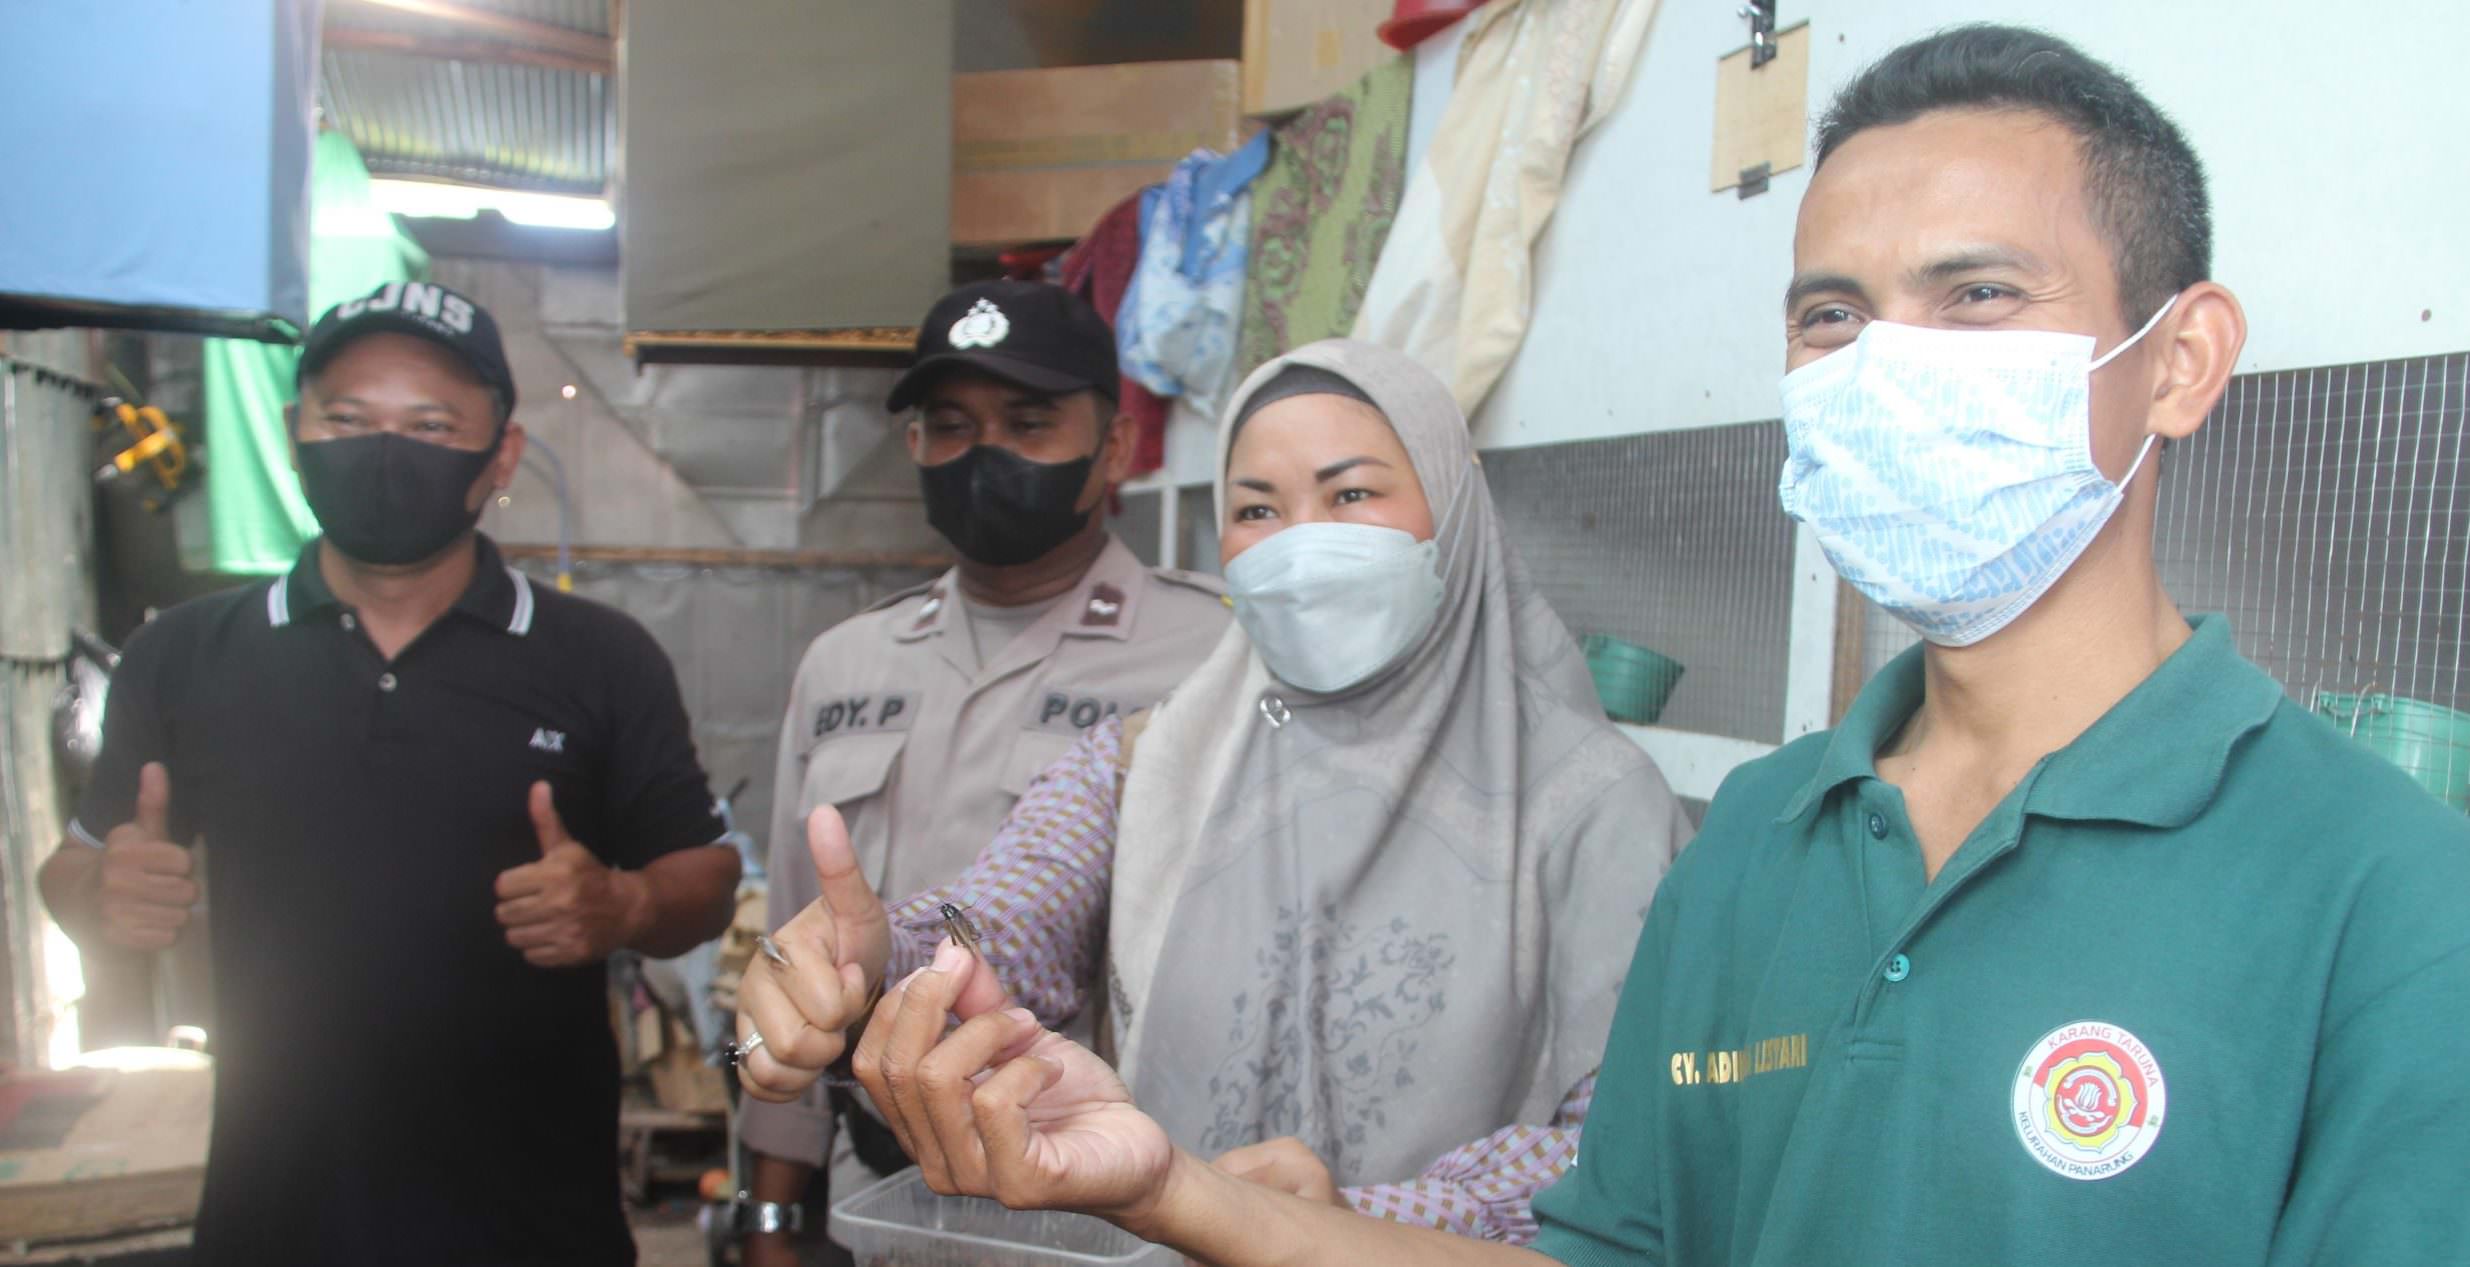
[1739, 1064]
[1068, 712]
[2089, 1100]
[859, 714]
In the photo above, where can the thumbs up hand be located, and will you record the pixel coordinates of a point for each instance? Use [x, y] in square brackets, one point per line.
[836, 950]
[567, 908]
[146, 889]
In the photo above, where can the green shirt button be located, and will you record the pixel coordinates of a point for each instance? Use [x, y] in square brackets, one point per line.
[1878, 825]
[1899, 968]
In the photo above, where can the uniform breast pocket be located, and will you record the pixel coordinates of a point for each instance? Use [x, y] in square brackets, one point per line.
[852, 774]
[846, 771]
[1031, 754]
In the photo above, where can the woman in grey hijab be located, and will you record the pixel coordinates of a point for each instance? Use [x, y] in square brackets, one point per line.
[1367, 880]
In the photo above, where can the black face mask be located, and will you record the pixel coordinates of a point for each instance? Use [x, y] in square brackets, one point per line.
[1001, 509]
[388, 499]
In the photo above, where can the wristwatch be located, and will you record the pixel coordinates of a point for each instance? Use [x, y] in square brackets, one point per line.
[769, 1216]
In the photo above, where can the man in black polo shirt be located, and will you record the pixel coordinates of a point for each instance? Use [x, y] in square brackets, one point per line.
[433, 798]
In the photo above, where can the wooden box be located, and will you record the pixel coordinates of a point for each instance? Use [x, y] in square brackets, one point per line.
[95, 1152]
[1297, 52]
[1040, 155]
[681, 1079]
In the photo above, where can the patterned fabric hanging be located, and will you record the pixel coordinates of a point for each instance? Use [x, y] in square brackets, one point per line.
[1321, 213]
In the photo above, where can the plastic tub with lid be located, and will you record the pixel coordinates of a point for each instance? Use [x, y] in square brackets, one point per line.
[2430, 741]
[900, 1222]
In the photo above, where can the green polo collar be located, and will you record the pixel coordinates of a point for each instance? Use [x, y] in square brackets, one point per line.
[1889, 698]
[2155, 758]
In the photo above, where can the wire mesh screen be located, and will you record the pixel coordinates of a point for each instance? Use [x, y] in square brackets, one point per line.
[1137, 522]
[1671, 540]
[2322, 511]
[1140, 525]
[1199, 530]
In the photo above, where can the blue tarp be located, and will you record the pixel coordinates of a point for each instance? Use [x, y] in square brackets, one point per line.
[158, 156]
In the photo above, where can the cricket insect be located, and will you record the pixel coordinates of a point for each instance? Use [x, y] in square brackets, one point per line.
[970, 929]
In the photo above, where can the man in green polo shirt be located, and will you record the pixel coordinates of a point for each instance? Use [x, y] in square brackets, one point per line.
[2077, 939]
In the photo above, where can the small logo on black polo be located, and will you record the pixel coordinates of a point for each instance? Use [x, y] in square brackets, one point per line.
[547, 740]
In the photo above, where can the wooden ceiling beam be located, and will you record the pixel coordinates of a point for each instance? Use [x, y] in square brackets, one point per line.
[462, 50]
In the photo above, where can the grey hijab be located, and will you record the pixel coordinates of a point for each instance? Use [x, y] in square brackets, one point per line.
[1392, 920]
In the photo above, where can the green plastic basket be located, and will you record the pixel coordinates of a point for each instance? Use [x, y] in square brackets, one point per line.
[1633, 682]
[2429, 741]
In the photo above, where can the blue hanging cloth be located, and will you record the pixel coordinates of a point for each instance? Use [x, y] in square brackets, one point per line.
[1176, 333]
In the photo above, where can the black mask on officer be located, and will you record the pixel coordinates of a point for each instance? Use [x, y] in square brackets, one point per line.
[389, 499]
[1001, 509]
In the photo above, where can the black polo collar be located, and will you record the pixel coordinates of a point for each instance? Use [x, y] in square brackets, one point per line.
[499, 596]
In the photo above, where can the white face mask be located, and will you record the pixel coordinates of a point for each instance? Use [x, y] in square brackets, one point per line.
[1949, 473]
[1330, 604]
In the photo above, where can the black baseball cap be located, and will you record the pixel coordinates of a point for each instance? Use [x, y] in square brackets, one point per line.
[422, 309]
[1041, 337]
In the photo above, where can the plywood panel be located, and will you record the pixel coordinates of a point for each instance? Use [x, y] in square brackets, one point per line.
[1298, 51]
[1041, 154]
[786, 163]
[1762, 114]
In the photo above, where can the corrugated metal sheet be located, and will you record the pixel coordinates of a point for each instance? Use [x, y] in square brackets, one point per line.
[486, 121]
[46, 513]
[518, 127]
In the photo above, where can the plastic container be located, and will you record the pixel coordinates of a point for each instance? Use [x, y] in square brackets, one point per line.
[2429, 741]
[1633, 682]
[900, 1222]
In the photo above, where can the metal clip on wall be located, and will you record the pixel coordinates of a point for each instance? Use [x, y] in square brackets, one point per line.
[1761, 14]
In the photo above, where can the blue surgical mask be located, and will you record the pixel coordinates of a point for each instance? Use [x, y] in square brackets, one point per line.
[1328, 605]
[1949, 473]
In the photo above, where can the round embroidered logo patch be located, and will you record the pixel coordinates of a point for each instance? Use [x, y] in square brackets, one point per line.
[2089, 1100]
[983, 326]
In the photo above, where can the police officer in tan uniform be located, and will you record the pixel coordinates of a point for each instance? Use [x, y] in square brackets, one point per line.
[924, 718]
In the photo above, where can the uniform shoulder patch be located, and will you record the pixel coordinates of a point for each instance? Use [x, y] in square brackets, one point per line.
[1105, 608]
[889, 601]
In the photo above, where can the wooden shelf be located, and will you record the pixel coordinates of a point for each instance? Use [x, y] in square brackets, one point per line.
[874, 347]
[787, 560]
